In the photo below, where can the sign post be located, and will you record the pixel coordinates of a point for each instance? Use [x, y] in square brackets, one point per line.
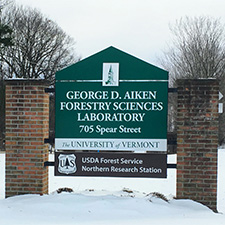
[112, 110]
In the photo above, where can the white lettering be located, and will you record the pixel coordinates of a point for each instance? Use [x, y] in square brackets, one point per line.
[140, 95]
[150, 170]
[114, 95]
[87, 95]
[127, 117]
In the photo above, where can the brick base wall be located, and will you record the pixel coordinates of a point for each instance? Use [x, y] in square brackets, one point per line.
[197, 141]
[26, 125]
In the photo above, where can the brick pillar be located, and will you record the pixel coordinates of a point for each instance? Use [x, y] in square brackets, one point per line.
[197, 141]
[26, 125]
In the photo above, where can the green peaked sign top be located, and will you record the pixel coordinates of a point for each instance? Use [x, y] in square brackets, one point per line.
[130, 67]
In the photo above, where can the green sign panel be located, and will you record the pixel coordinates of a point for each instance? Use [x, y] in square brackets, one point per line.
[107, 111]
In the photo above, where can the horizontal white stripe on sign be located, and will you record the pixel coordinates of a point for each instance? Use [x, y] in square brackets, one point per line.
[95, 81]
[111, 144]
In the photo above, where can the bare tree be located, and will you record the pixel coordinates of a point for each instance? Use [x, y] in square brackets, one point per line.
[197, 51]
[5, 36]
[40, 46]
[4, 3]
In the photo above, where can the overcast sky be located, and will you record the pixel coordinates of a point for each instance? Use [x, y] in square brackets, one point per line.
[138, 27]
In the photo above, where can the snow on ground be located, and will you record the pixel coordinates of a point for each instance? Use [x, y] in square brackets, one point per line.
[104, 208]
[104, 201]
[2, 175]
[221, 181]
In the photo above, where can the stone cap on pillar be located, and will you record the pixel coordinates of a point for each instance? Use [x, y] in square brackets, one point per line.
[34, 81]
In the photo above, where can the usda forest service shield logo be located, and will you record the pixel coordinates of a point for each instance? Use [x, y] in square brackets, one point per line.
[67, 164]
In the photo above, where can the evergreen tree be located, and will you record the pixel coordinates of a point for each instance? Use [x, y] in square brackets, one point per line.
[5, 35]
[5, 41]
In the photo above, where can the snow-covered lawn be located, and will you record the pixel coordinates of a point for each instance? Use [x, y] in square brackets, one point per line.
[109, 201]
[94, 208]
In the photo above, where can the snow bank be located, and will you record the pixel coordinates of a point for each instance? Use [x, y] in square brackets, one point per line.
[95, 208]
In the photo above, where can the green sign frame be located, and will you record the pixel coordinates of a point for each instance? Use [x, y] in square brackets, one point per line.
[111, 112]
